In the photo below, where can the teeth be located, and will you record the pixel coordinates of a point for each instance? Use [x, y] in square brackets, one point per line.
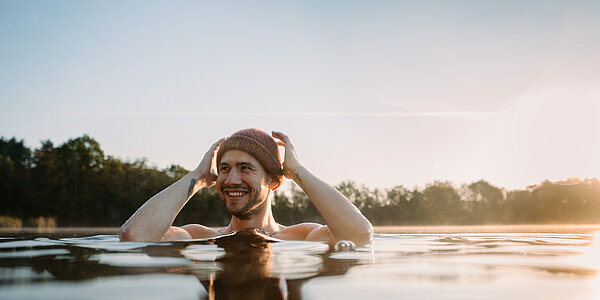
[236, 194]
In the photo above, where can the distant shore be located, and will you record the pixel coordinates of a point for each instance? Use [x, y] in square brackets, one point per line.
[534, 228]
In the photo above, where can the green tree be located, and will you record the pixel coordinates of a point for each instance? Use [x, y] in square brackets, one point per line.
[400, 208]
[443, 204]
[486, 203]
[15, 177]
[283, 209]
[82, 187]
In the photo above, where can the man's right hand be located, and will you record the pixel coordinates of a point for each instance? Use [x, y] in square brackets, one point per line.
[152, 221]
[207, 169]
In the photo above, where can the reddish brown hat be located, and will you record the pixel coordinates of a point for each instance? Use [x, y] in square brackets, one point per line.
[260, 145]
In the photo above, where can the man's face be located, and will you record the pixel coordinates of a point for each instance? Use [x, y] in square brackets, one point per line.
[242, 183]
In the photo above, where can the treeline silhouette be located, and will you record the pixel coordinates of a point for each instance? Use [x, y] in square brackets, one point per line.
[79, 185]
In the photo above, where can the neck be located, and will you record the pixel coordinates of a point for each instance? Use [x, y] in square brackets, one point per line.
[262, 219]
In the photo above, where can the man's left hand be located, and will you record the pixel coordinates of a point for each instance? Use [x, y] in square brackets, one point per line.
[291, 163]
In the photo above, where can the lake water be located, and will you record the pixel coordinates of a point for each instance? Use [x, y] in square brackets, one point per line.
[426, 263]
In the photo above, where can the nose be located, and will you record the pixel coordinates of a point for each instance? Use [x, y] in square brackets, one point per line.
[233, 178]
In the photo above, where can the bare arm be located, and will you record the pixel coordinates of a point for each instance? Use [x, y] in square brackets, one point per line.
[153, 219]
[344, 220]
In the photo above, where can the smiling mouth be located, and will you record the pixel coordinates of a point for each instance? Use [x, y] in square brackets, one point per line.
[235, 193]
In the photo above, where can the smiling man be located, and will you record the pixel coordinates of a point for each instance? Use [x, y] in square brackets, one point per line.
[246, 168]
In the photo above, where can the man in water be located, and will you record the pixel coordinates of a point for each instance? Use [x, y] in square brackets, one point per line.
[246, 168]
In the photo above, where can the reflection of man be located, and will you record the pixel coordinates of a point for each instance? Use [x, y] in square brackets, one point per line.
[251, 269]
[246, 168]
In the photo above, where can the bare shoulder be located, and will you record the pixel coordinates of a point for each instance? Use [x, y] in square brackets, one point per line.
[307, 232]
[198, 231]
[189, 231]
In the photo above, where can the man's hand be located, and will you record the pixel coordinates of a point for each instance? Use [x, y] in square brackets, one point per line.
[207, 169]
[153, 219]
[343, 219]
[291, 163]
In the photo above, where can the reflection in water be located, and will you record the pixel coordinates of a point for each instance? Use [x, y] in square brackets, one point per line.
[248, 265]
[252, 266]
[246, 274]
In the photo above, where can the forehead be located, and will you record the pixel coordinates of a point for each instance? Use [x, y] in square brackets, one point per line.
[233, 157]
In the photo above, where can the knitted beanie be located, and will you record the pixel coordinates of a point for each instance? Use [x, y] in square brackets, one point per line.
[260, 145]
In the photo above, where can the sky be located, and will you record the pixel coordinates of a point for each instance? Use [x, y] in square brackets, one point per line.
[382, 93]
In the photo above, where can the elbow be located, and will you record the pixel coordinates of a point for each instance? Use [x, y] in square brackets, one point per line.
[364, 236]
[125, 234]
[361, 236]
[129, 234]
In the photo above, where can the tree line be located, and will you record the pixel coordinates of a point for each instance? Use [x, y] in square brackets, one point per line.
[78, 185]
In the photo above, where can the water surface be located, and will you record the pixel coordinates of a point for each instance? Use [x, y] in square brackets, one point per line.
[467, 265]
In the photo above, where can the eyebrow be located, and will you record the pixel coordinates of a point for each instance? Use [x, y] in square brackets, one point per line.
[245, 163]
[242, 163]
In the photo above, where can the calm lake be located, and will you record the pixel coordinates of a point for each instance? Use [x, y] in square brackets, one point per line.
[512, 262]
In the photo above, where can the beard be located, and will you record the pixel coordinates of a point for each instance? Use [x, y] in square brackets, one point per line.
[253, 206]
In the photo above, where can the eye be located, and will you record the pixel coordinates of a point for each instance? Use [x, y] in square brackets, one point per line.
[223, 169]
[246, 168]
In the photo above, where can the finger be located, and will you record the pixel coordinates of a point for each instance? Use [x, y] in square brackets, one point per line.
[216, 145]
[276, 135]
[214, 148]
[279, 135]
[286, 140]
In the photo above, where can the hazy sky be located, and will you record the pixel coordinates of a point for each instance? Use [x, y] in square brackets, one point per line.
[380, 92]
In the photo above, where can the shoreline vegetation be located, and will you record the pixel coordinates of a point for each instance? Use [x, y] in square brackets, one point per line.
[75, 185]
[39, 222]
